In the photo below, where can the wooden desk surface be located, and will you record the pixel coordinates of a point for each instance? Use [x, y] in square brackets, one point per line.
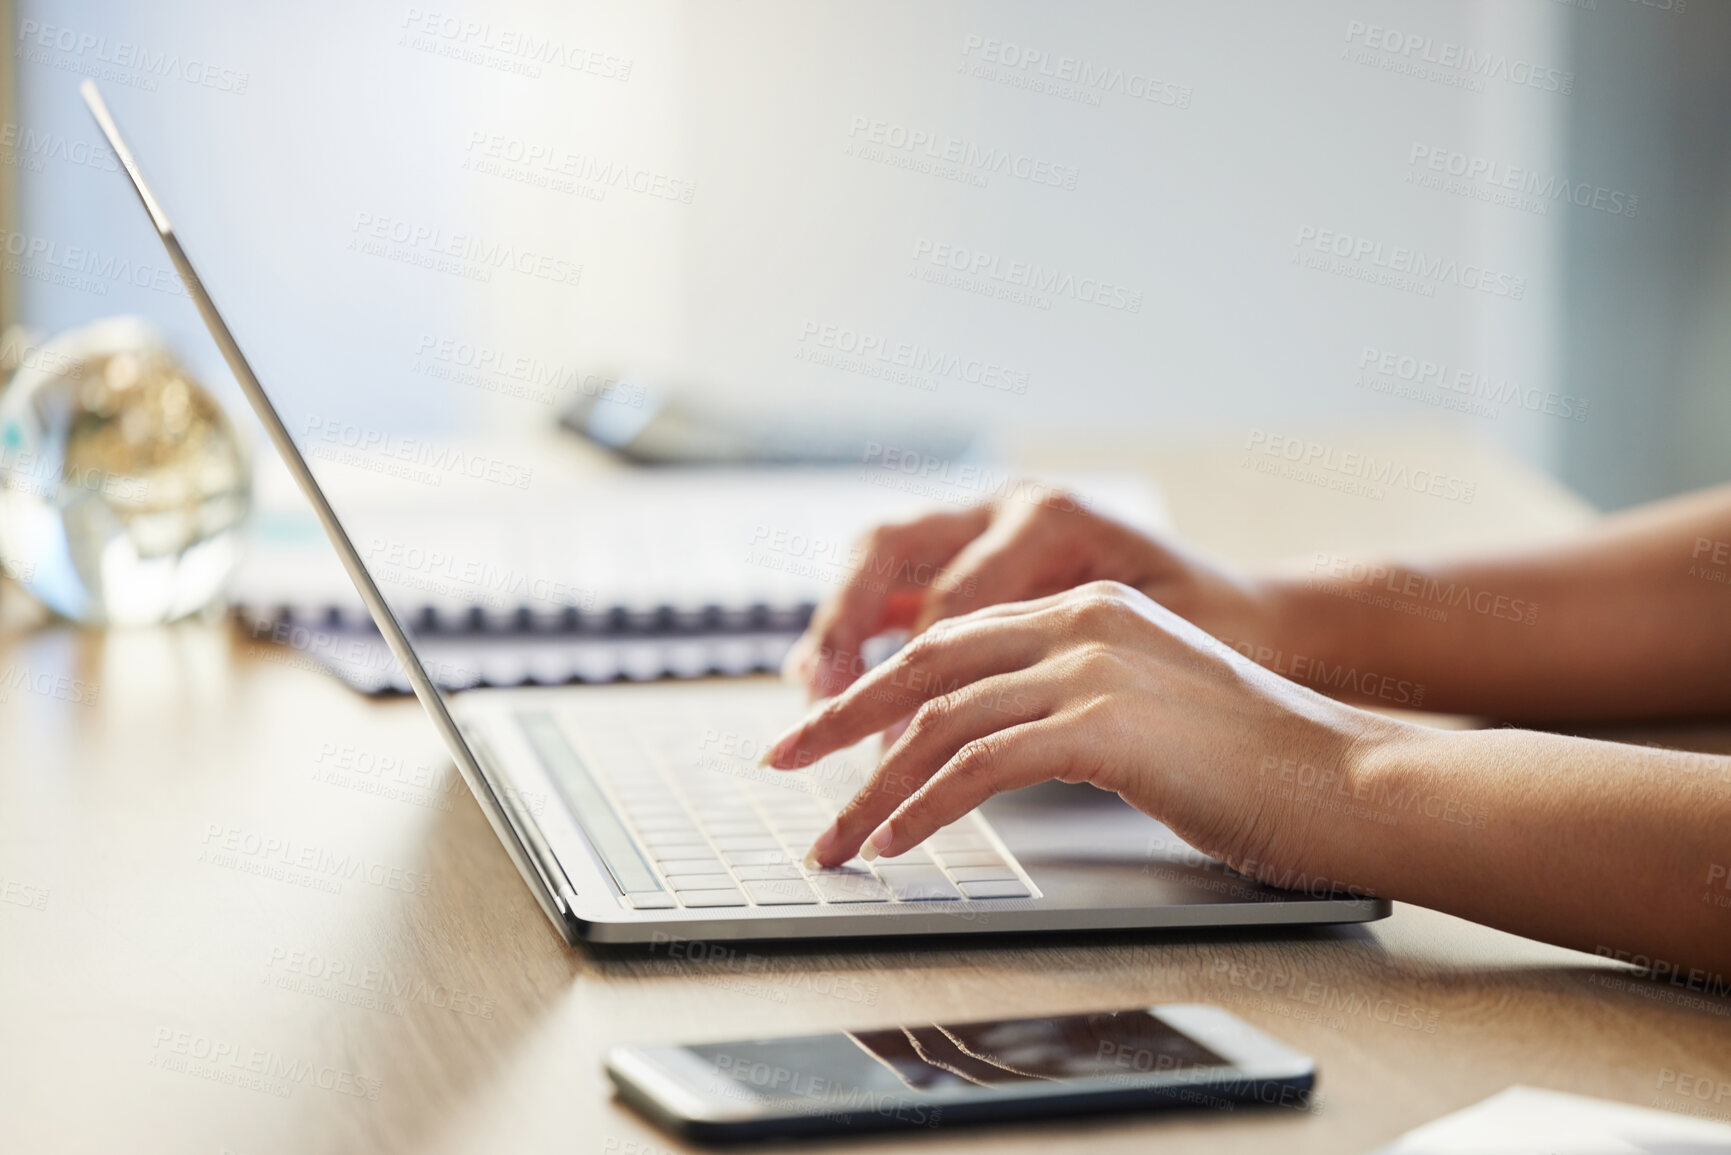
[164, 994]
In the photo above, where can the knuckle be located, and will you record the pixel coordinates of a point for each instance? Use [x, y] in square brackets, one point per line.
[932, 715]
[976, 760]
[927, 646]
[1098, 658]
[1100, 603]
[1054, 501]
[1108, 590]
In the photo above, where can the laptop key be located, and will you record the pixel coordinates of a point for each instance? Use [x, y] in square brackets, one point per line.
[971, 858]
[711, 898]
[738, 842]
[918, 883]
[736, 829]
[755, 857]
[651, 900]
[848, 886]
[662, 844]
[982, 873]
[691, 866]
[1003, 888]
[780, 892]
[758, 873]
[700, 881]
[659, 822]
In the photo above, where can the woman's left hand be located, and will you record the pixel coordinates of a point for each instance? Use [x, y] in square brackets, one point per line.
[1098, 684]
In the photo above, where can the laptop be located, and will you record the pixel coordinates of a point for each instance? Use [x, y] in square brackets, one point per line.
[637, 813]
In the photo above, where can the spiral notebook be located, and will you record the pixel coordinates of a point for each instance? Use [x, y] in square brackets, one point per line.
[654, 573]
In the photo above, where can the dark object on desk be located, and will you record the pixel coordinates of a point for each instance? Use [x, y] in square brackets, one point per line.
[653, 428]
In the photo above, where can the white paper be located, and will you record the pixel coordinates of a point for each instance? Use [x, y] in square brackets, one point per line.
[1531, 1121]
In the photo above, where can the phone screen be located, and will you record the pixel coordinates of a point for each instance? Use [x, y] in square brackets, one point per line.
[940, 1057]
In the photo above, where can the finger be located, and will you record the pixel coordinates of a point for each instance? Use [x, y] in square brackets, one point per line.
[940, 728]
[938, 662]
[989, 570]
[881, 592]
[1004, 760]
[893, 732]
[1031, 548]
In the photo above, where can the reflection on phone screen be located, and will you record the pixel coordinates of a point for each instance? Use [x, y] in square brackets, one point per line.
[1017, 1050]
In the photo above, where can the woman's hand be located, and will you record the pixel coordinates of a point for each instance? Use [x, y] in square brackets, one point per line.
[1099, 684]
[1035, 543]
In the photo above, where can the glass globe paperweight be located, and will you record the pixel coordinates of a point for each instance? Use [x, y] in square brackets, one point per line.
[123, 487]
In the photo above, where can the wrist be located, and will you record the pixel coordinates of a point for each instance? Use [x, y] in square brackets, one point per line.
[1257, 616]
[1386, 803]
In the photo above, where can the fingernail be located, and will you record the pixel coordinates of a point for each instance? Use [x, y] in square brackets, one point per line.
[780, 748]
[875, 845]
[795, 668]
[824, 842]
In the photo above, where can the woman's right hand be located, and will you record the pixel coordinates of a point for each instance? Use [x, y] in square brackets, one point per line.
[1032, 544]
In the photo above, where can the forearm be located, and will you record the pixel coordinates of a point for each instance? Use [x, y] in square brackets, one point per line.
[1631, 620]
[1592, 845]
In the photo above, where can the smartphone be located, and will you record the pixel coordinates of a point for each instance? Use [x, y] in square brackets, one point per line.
[938, 1074]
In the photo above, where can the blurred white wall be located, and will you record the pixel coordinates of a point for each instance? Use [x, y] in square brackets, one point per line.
[1284, 192]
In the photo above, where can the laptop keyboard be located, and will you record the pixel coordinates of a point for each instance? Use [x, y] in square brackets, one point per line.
[714, 830]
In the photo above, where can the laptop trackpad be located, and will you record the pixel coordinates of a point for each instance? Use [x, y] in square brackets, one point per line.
[1079, 823]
